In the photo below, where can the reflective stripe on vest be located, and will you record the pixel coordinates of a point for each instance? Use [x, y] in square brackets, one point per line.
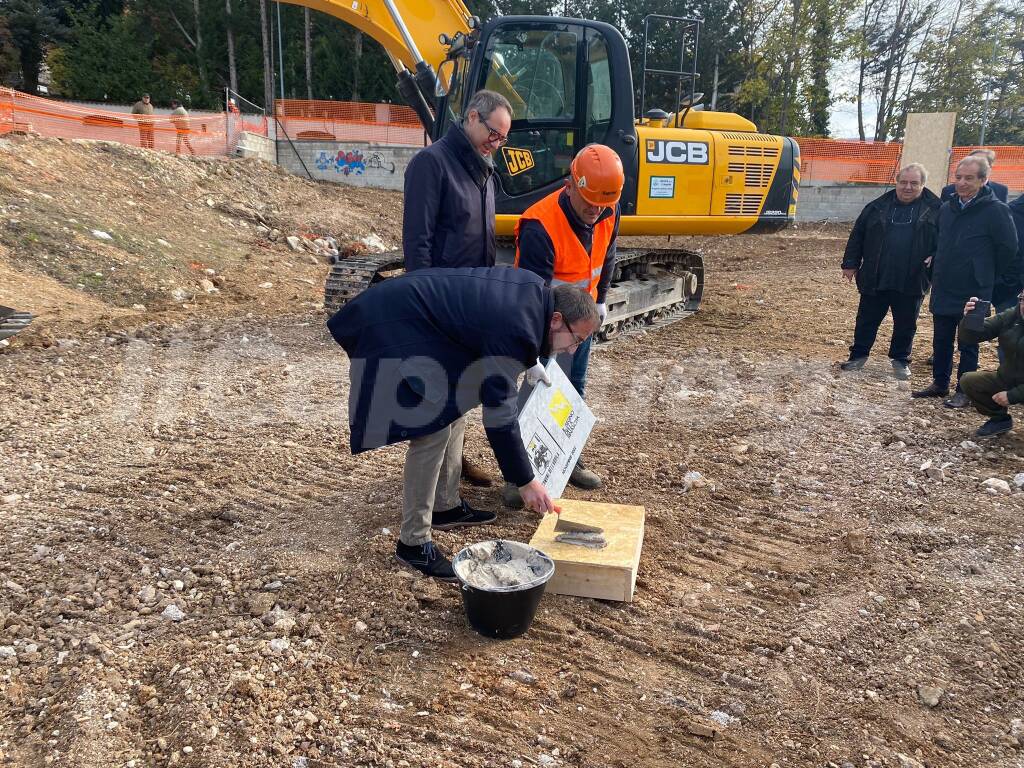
[573, 266]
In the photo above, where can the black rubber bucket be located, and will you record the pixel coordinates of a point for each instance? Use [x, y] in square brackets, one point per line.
[502, 611]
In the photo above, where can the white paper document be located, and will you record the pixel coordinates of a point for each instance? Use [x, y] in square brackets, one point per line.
[555, 424]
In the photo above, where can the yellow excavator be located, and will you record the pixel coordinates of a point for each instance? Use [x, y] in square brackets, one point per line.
[689, 171]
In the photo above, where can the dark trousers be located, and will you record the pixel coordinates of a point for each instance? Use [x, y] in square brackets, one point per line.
[870, 314]
[979, 386]
[942, 351]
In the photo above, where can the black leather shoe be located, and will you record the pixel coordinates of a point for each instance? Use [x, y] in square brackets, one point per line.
[997, 425]
[854, 364]
[932, 390]
[461, 516]
[958, 400]
[427, 559]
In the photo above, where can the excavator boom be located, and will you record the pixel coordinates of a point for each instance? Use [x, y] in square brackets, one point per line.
[424, 23]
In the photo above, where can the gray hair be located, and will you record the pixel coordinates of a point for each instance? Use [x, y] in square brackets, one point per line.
[988, 154]
[575, 305]
[914, 167]
[980, 162]
[485, 102]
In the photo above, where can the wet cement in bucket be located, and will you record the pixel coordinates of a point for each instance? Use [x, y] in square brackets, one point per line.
[501, 566]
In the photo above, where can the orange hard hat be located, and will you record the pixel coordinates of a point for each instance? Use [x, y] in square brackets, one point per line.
[597, 172]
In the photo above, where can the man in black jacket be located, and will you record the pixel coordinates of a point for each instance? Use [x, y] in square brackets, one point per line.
[977, 252]
[999, 190]
[1004, 295]
[888, 253]
[448, 219]
[428, 347]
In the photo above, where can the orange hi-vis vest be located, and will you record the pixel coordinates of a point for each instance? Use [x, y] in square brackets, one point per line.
[573, 266]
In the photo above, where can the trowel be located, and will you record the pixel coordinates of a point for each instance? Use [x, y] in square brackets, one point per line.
[569, 531]
[567, 525]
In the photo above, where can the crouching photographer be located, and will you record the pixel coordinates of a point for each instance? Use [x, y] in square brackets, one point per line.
[991, 392]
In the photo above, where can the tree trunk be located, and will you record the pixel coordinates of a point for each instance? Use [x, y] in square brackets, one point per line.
[789, 74]
[891, 57]
[199, 50]
[268, 72]
[357, 56]
[309, 57]
[863, 68]
[232, 66]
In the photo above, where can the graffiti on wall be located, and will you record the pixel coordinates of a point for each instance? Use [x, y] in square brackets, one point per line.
[352, 162]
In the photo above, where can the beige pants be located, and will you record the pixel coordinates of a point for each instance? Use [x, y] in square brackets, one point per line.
[433, 467]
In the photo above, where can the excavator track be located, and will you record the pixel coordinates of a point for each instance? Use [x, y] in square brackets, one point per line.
[350, 277]
[12, 322]
[650, 288]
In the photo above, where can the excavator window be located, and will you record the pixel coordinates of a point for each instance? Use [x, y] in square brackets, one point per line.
[537, 67]
[599, 87]
[536, 70]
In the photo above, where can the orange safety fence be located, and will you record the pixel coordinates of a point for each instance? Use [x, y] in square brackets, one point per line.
[850, 162]
[866, 162]
[1008, 168]
[201, 134]
[304, 120]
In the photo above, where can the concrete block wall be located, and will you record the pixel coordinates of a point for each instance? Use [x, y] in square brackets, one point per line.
[359, 164]
[254, 145]
[835, 202]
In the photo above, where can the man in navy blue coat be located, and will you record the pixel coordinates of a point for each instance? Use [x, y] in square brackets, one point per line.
[977, 255]
[999, 190]
[448, 219]
[428, 347]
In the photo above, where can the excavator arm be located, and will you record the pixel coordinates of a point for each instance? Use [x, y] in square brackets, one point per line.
[414, 33]
[424, 21]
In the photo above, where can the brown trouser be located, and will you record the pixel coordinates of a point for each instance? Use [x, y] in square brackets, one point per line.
[433, 467]
[979, 386]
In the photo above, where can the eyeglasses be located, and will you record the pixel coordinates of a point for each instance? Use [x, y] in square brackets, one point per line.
[495, 136]
[575, 337]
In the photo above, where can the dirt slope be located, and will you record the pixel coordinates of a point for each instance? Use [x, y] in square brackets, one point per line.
[98, 233]
[194, 571]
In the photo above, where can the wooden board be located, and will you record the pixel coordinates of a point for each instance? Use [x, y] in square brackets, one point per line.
[605, 574]
[927, 139]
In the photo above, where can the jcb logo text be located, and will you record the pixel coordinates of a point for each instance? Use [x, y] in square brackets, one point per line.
[688, 152]
[517, 160]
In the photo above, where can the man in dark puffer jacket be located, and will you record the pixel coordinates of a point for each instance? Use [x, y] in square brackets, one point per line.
[889, 251]
[977, 254]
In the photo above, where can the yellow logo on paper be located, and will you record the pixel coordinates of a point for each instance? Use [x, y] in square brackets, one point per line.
[517, 160]
[560, 408]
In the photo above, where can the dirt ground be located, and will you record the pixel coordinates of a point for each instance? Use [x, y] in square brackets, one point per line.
[195, 572]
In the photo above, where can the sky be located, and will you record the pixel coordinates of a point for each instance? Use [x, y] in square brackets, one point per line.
[843, 118]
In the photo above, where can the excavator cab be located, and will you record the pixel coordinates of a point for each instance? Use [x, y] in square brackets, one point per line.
[558, 76]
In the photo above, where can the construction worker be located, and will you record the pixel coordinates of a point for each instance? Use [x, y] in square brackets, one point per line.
[179, 116]
[448, 220]
[568, 238]
[429, 346]
[144, 108]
